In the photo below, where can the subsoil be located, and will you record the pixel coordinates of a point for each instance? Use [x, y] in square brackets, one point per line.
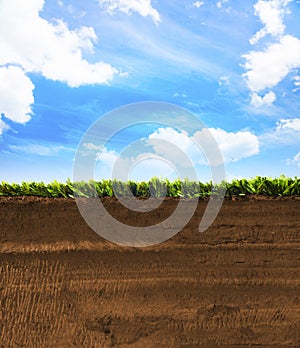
[235, 285]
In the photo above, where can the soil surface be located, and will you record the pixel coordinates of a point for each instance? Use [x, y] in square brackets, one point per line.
[235, 285]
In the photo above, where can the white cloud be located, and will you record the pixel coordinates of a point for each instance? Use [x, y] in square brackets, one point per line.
[292, 124]
[265, 69]
[105, 163]
[198, 4]
[142, 167]
[107, 156]
[179, 139]
[35, 149]
[266, 100]
[221, 3]
[158, 156]
[16, 94]
[3, 126]
[142, 7]
[295, 160]
[93, 147]
[286, 132]
[234, 146]
[37, 46]
[271, 14]
[297, 81]
[51, 49]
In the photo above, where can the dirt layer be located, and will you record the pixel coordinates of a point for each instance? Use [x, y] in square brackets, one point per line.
[235, 285]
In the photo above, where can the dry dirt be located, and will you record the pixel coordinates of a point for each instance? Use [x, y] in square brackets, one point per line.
[235, 285]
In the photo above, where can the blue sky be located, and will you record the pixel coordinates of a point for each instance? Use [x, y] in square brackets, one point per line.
[65, 64]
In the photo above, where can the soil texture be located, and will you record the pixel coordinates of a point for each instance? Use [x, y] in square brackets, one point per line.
[235, 285]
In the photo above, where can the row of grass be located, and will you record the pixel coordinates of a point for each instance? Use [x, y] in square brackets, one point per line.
[281, 186]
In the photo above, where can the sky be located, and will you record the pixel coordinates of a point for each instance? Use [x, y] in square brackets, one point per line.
[235, 65]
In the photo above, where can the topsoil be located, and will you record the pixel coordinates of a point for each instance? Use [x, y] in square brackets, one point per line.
[235, 285]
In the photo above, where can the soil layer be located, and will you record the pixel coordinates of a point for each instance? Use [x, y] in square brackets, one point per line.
[235, 285]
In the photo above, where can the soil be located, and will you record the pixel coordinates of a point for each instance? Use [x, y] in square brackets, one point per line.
[235, 285]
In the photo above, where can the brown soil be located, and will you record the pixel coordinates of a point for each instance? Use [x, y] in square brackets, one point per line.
[235, 285]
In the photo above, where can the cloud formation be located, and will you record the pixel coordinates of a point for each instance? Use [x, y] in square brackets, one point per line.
[271, 14]
[16, 94]
[267, 99]
[51, 49]
[234, 146]
[266, 68]
[295, 160]
[92, 147]
[286, 132]
[142, 7]
[31, 44]
[296, 80]
[291, 124]
[155, 154]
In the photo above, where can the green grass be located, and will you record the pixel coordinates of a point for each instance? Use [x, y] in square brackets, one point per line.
[281, 186]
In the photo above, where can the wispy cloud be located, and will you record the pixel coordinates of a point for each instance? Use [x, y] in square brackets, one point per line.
[40, 150]
[172, 45]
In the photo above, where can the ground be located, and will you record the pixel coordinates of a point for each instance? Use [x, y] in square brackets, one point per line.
[235, 285]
